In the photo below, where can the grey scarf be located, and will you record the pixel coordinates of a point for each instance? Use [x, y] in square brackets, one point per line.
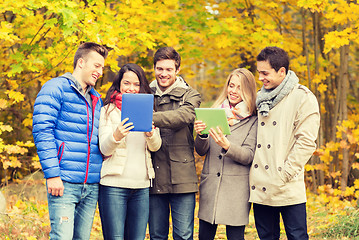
[269, 98]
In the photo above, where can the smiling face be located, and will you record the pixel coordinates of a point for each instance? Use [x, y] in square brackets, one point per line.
[165, 73]
[130, 83]
[90, 68]
[268, 76]
[234, 90]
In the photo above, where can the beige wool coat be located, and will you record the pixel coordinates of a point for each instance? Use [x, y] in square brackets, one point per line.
[224, 187]
[285, 142]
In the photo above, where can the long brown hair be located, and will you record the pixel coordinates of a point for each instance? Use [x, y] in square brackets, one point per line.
[144, 85]
[248, 89]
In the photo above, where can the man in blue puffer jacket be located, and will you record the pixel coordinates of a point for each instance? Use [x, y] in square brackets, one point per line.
[65, 129]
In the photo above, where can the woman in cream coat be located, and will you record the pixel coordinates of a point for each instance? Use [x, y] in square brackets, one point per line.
[127, 170]
[224, 187]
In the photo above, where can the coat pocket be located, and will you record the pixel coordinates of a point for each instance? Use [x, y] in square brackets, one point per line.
[203, 181]
[115, 164]
[183, 169]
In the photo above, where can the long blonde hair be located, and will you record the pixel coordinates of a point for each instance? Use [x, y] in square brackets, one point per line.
[248, 89]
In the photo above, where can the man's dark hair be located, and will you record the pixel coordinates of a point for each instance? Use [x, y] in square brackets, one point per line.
[87, 47]
[167, 53]
[276, 57]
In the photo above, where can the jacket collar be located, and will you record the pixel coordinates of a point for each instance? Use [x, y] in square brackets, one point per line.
[78, 85]
[240, 123]
[178, 88]
[90, 89]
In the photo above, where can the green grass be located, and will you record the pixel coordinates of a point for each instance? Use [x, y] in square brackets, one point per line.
[345, 225]
[27, 217]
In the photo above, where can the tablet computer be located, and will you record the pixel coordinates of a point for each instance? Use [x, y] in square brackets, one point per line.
[138, 107]
[213, 117]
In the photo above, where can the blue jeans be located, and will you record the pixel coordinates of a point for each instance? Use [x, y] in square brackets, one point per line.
[182, 210]
[294, 219]
[124, 212]
[71, 215]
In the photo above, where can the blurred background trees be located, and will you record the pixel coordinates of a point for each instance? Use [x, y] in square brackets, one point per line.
[39, 38]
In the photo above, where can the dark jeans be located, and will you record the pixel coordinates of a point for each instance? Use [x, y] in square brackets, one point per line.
[294, 219]
[207, 231]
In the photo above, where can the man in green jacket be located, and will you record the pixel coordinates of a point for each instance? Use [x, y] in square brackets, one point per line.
[175, 183]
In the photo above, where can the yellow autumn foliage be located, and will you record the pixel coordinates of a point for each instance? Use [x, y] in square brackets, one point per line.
[38, 40]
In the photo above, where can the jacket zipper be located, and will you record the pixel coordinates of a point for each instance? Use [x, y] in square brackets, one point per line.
[61, 148]
[88, 142]
[89, 137]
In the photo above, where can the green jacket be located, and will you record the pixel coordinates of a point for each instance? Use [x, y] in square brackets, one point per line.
[174, 162]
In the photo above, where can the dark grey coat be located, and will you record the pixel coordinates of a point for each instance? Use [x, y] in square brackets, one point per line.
[224, 187]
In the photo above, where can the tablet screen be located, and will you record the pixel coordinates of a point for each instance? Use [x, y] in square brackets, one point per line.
[138, 107]
[213, 117]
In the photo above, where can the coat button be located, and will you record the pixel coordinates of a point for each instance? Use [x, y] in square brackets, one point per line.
[218, 174]
[256, 165]
[253, 187]
[274, 123]
[266, 167]
[268, 146]
[259, 146]
[220, 156]
[262, 123]
[264, 189]
[279, 169]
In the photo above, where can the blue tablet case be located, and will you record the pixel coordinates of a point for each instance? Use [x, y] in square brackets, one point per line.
[139, 109]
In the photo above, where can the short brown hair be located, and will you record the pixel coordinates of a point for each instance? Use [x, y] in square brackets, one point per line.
[87, 47]
[277, 58]
[167, 53]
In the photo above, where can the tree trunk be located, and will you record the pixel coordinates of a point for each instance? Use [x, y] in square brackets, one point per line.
[312, 160]
[316, 26]
[343, 78]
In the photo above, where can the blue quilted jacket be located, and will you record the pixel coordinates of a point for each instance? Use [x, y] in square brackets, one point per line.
[65, 131]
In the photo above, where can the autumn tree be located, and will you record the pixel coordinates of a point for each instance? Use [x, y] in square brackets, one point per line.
[38, 40]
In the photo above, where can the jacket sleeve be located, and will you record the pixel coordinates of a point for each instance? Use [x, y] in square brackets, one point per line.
[306, 126]
[182, 116]
[107, 142]
[201, 145]
[244, 153]
[46, 110]
[154, 143]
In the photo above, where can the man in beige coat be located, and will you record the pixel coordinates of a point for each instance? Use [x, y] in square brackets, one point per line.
[288, 123]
